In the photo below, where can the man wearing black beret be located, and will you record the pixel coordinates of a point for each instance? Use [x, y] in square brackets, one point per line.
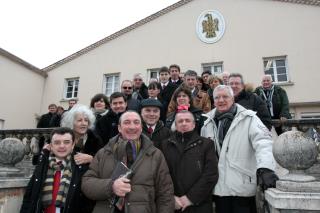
[151, 125]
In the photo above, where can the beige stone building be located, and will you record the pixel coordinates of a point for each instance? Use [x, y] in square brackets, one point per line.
[252, 37]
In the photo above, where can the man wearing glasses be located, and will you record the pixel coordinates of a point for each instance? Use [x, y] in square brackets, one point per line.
[127, 90]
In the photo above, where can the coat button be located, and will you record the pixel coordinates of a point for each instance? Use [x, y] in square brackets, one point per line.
[128, 204]
[37, 179]
[74, 185]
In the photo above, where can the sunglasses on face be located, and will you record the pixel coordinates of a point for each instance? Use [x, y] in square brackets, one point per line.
[126, 87]
[137, 79]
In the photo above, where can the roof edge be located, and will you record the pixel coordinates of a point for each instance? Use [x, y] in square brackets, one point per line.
[307, 2]
[116, 34]
[22, 62]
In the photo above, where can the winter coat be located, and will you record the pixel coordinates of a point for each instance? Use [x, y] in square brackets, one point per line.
[151, 184]
[166, 95]
[195, 111]
[49, 120]
[280, 102]
[159, 133]
[92, 144]
[141, 93]
[246, 147]
[253, 102]
[193, 168]
[107, 126]
[75, 201]
[133, 104]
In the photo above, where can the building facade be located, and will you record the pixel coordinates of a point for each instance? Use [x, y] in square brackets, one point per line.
[256, 37]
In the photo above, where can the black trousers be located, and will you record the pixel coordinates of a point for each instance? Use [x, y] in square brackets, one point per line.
[233, 204]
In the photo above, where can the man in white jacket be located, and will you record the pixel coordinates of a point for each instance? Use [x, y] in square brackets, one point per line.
[244, 148]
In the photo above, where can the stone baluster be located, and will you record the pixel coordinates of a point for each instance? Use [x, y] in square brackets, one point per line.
[296, 191]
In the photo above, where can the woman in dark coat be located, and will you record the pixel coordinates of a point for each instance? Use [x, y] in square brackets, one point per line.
[182, 100]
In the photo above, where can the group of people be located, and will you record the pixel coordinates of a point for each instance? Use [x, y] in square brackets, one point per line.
[184, 143]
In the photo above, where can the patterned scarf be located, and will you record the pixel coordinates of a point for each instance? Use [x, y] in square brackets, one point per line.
[54, 166]
[127, 151]
[224, 121]
[267, 95]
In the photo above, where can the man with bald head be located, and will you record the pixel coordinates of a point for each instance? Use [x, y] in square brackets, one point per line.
[193, 165]
[149, 189]
[276, 99]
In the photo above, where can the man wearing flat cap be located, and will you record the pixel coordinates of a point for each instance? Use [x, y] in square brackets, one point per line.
[151, 125]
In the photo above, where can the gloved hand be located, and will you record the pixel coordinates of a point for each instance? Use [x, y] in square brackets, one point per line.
[266, 178]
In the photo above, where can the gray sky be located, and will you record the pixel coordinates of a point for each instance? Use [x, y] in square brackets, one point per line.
[42, 32]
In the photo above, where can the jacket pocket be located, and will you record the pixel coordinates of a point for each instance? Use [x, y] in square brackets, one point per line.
[141, 207]
[248, 177]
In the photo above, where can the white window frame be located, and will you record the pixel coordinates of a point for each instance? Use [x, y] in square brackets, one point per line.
[153, 70]
[271, 64]
[2, 123]
[213, 67]
[309, 115]
[74, 80]
[115, 86]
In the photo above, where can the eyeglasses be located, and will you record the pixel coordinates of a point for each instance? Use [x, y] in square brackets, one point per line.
[126, 87]
[137, 79]
[224, 97]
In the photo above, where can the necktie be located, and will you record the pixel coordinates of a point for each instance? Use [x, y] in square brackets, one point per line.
[56, 184]
[163, 86]
[150, 130]
[134, 150]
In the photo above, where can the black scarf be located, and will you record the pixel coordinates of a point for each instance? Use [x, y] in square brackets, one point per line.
[223, 121]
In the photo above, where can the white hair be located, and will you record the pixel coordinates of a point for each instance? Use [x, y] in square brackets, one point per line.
[69, 117]
[223, 87]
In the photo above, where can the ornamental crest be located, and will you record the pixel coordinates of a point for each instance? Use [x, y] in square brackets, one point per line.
[210, 26]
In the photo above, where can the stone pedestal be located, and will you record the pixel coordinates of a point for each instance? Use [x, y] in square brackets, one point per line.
[292, 202]
[296, 191]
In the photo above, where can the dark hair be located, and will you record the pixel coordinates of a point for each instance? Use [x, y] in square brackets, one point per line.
[174, 66]
[200, 79]
[206, 72]
[62, 131]
[164, 69]
[52, 105]
[97, 98]
[236, 75]
[73, 99]
[185, 90]
[154, 85]
[117, 95]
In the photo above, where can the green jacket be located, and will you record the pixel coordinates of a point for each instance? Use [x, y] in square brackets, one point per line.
[280, 102]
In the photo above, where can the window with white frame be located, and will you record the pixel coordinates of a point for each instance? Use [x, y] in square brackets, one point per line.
[277, 68]
[111, 83]
[214, 68]
[71, 88]
[153, 73]
[310, 115]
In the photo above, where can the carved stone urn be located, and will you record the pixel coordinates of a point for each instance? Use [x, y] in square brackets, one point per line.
[296, 152]
[12, 151]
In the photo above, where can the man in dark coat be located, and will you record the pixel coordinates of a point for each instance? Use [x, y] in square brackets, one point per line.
[175, 79]
[50, 119]
[249, 100]
[140, 90]
[167, 88]
[151, 125]
[192, 162]
[127, 89]
[276, 99]
[107, 125]
[57, 174]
